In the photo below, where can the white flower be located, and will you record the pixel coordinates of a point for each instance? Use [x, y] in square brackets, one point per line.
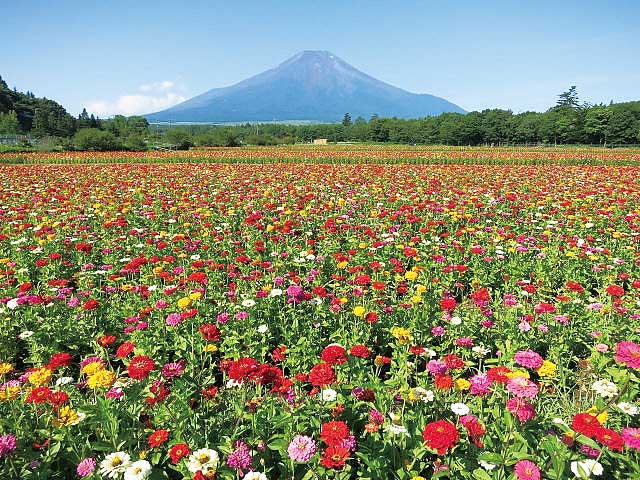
[205, 459]
[248, 303]
[12, 304]
[486, 465]
[263, 329]
[605, 388]
[328, 395]
[395, 428]
[275, 292]
[480, 350]
[25, 334]
[586, 468]
[456, 320]
[114, 464]
[137, 470]
[255, 476]
[231, 383]
[423, 394]
[64, 381]
[460, 409]
[628, 408]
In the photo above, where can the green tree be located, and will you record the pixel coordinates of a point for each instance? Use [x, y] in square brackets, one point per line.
[9, 123]
[179, 137]
[622, 127]
[94, 139]
[596, 121]
[346, 120]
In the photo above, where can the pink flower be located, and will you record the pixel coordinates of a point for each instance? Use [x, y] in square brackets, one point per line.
[602, 347]
[522, 387]
[301, 448]
[480, 384]
[8, 444]
[174, 319]
[86, 467]
[438, 331]
[464, 342]
[526, 470]
[631, 437]
[628, 353]
[528, 358]
[173, 369]
[521, 409]
[223, 317]
[437, 367]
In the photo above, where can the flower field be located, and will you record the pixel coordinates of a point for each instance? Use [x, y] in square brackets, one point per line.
[312, 319]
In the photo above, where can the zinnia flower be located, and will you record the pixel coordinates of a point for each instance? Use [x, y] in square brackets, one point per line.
[631, 437]
[114, 464]
[86, 467]
[440, 435]
[8, 444]
[628, 353]
[137, 470]
[526, 470]
[301, 448]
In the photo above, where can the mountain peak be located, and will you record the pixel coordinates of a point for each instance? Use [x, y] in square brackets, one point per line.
[312, 85]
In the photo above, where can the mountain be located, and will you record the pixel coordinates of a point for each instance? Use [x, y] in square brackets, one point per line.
[312, 85]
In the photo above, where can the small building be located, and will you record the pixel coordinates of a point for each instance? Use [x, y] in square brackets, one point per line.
[320, 141]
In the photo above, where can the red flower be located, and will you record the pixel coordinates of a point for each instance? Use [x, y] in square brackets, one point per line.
[332, 433]
[443, 382]
[612, 439]
[140, 366]
[448, 304]
[106, 340]
[157, 438]
[178, 451]
[125, 349]
[334, 457]
[321, 375]
[57, 398]
[39, 395]
[586, 424]
[440, 436]
[474, 428]
[453, 362]
[498, 374]
[91, 304]
[334, 355]
[575, 286]
[615, 290]
[371, 317]
[209, 332]
[61, 359]
[359, 351]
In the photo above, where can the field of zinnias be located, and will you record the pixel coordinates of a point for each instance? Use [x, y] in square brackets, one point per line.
[310, 320]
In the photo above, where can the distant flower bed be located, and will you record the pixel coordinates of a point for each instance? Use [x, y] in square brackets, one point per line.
[304, 320]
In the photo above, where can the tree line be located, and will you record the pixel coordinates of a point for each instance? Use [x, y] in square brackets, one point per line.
[569, 121]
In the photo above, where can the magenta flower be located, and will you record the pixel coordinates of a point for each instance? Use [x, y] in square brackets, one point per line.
[522, 387]
[173, 369]
[240, 458]
[86, 467]
[628, 353]
[522, 409]
[8, 444]
[174, 319]
[526, 470]
[301, 448]
[528, 359]
[480, 384]
[631, 437]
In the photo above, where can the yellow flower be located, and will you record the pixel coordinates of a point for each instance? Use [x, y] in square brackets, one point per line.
[517, 373]
[462, 384]
[342, 265]
[40, 377]
[547, 369]
[602, 417]
[418, 477]
[5, 368]
[184, 302]
[102, 378]
[195, 296]
[210, 348]
[91, 368]
[378, 361]
[66, 416]
[359, 311]
[402, 334]
[9, 393]
[157, 270]
[420, 288]
[411, 275]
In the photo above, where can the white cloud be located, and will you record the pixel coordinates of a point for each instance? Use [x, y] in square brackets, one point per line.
[156, 96]
[157, 86]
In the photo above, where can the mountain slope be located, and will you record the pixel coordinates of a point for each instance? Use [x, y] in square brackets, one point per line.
[312, 85]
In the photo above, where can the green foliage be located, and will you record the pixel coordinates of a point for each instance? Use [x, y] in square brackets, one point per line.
[94, 139]
[179, 137]
[9, 123]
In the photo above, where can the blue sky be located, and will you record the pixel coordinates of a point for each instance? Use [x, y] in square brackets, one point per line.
[125, 56]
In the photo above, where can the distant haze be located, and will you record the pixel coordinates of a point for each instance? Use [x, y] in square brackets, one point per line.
[310, 86]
